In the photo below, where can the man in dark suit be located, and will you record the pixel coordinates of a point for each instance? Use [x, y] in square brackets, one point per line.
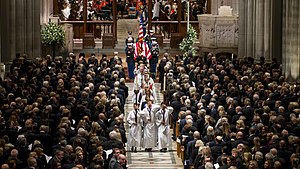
[124, 87]
[236, 117]
[161, 70]
[120, 162]
[31, 163]
[239, 140]
[248, 111]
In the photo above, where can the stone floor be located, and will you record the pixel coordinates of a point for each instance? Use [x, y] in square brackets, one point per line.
[155, 159]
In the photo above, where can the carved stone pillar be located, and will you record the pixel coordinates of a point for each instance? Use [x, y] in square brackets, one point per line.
[291, 39]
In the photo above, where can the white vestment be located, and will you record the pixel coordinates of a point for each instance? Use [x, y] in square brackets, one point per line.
[164, 135]
[135, 128]
[150, 128]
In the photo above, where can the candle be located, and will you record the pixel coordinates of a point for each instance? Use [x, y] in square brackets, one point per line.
[165, 80]
[232, 56]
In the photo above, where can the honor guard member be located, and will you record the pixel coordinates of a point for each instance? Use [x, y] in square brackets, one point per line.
[154, 60]
[129, 50]
[129, 39]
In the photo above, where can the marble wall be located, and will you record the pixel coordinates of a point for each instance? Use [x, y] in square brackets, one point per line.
[291, 39]
[20, 28]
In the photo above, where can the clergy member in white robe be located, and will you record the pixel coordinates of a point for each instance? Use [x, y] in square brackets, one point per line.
[162, 121]
[150, 128]
[135, 128]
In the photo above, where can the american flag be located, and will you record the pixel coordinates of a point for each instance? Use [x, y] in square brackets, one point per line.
[141, 47]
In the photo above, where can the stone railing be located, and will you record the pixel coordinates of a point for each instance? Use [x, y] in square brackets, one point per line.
[166, 28]
[98, 28]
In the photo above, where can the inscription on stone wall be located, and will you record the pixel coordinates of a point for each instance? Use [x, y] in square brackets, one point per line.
[218, 31]
[225, 35]
[208, 35]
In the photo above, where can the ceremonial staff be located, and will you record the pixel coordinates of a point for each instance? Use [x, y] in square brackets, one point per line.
[164, 89]
[136, 90]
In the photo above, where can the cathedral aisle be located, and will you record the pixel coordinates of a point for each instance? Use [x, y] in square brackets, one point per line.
[154, 159]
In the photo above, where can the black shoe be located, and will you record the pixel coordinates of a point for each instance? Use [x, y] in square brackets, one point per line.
[135, 149]
[161, 150]
[165, 149]
[132, 149]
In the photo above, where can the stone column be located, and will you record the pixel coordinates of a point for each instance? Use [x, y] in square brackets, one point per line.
[276, 39]
[21, 28]
[267, 29]
[249, 30]
[291, 40]
[242, 28]
[12, 31]
[46, 7]
[29, 28]
[36, 48]
[259, 29]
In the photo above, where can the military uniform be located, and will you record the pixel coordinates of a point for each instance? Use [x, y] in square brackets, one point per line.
[129, 50]
[154, 60]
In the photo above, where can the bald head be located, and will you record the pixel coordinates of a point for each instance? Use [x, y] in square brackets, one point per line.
[4, 166]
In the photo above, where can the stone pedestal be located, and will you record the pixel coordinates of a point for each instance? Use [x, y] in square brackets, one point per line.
[218, 34]
[291, 39]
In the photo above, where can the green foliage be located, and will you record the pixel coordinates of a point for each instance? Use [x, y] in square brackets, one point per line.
[53, 34]
[187, 44]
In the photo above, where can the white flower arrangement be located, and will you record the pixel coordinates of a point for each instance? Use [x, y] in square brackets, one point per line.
[53, 34]
[187, 44]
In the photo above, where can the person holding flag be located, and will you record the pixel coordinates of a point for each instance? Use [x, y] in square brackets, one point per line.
[142, 51]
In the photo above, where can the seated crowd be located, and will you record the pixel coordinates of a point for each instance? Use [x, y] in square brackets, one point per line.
[70, 110]
[233, 113]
